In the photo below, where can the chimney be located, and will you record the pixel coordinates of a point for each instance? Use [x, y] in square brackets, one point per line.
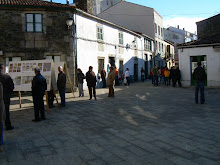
[184, 29]
[67, 2]
[51, 0]
[178, 26]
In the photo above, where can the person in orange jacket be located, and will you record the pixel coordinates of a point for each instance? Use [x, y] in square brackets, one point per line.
[167, 75]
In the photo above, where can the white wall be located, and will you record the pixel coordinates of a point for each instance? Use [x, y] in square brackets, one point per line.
[88, 51]
[213, 64]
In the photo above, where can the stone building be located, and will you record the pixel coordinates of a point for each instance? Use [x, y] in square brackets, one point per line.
[85, 5]
[34, 30]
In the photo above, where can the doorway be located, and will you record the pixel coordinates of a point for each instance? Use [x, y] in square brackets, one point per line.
[194, 60]
[146, 66]
[135, 69]
[112, 61]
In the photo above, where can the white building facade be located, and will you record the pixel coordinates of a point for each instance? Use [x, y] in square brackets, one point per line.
[208, 54]
[101, 44]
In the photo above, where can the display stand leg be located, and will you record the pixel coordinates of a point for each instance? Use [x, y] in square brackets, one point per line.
[19, 95]
[47, 101]
[58, 105]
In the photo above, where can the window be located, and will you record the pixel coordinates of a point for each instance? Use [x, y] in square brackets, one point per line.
[159, 45]
[147, 44]
[120, 38]
[162, 47]
[155, 28]
[99, 32]
[34, 23]
[159, 30]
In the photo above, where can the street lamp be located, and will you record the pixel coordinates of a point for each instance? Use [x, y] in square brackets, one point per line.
[69, 22]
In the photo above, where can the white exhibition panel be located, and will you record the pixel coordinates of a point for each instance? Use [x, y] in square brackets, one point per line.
[22, 73]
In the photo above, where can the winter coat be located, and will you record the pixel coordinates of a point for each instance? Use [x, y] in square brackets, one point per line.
[8, 87]
[2, 105]
[61, 81]
[39, 85]
[154, 71]
[80, 77]
[91, 79]
[167, 73]
[111, 78]
[199, 74]
[177, 74]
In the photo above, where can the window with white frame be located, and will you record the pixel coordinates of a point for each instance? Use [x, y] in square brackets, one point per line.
[99, 32]
[158, 29]
[147, 44]
[155, 26]
[120, 34]
[34, 23]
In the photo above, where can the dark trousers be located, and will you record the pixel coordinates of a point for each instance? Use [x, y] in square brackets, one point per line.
[179, 83]
[116, 80]
[128, 80]
[7, 120]
[39, 107]
[62, 96]
[200, 86]
[142, 78]
[111, 91]
[92, 88]
[155, 77]
[50, 98]
[103, 82]
[167, 81]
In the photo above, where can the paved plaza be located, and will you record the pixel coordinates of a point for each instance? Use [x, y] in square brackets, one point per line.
[142, 125]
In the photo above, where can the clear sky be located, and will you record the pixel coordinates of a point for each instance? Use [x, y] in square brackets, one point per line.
[175, 12]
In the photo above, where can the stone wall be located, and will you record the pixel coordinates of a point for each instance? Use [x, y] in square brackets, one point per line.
[54, 40]
[85, 5]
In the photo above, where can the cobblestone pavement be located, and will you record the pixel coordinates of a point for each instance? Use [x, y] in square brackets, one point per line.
[142, 125]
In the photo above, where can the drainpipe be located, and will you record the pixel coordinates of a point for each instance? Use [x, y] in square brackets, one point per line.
[75, 47]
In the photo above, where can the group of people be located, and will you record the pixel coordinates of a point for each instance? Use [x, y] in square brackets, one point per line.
[165, 76]
[92, 80]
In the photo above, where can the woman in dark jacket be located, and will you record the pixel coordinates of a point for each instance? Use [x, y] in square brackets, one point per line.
[80, 77]
[177, 77]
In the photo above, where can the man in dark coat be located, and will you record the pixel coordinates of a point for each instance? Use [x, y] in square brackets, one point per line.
[61, 85]
[8, 87]
[199, 76]
[177, 77]
[91, 82]
[39, 86]
[103, 75]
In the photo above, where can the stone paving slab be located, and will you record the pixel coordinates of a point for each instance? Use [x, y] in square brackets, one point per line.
[143, 124]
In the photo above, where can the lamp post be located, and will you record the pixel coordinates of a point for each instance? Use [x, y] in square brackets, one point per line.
[71, 26]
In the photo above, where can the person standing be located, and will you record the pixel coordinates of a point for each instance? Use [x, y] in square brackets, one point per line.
[61, 85]
[177, 77]
[162, 75]
[155, 75]
[127, 76]
[2, 114]
[8, 87]
[116, 76]
[166, 74]
[91, 82]
[80, 78]
[103, 76]
[39, 86]
[110, 81]
[142, 74]
[171, 78]
[199, 76]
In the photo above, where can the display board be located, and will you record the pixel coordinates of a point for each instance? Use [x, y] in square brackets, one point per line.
[22, 73]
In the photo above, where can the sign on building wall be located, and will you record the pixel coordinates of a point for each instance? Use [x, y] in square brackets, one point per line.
[22, 73]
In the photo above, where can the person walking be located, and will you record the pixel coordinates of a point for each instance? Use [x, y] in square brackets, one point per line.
[155, 75]
[199, 76]
[2, 114]
[151, 76]
[171, 75]
[61, 85]
[177, 77]
[103, 76]
[80, 78]
[166, 74]
[8, 87]
[116, 76]
[39, 86]
[142, 74]
[127, 76]
[91, 82]
[110, 81]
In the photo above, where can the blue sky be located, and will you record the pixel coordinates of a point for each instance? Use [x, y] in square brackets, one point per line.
[175, 12]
